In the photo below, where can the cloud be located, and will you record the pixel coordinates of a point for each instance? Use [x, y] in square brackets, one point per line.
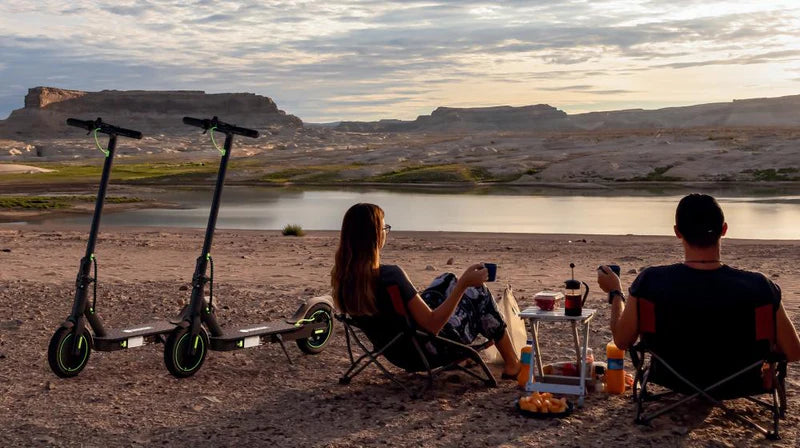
[306, 54]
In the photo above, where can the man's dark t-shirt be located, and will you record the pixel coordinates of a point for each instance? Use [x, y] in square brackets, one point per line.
[705, 320]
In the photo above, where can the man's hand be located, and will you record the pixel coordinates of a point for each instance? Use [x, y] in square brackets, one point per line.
[608, 280]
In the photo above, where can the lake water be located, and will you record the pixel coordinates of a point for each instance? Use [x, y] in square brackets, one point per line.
[759, 217]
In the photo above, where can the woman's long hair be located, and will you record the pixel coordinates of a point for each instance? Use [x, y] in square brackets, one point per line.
[355, 271]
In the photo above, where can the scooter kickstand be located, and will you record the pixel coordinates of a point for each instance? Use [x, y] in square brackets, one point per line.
[283, 347]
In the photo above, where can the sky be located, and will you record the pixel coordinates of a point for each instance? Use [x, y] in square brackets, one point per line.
[327, 61]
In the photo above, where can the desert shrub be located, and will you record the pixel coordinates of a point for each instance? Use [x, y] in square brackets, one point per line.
[293, 230]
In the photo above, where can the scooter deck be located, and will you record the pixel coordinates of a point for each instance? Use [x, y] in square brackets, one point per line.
[134, 336]
[257, 334]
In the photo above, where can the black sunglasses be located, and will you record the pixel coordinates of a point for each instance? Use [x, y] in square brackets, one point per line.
[387, 228]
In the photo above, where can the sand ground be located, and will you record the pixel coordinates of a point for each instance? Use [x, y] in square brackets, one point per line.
[255, 398]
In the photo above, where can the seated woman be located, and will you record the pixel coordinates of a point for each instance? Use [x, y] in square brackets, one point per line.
[462, 311]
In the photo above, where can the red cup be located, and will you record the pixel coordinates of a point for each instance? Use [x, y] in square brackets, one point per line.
[546, 304]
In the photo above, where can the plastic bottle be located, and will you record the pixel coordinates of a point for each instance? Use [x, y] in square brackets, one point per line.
[615, 375]
[525, 365]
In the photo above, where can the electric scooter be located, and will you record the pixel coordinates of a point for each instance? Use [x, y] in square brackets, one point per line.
[72, 343]
[186, 347]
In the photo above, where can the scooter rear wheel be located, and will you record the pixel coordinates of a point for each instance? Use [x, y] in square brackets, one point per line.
[319, 313]
[63, 360]
[178, 356]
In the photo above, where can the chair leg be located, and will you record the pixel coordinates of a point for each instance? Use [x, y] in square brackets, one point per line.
[781, 389]
[641, 397]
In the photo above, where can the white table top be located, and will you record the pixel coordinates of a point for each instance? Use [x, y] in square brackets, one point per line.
[556, 315]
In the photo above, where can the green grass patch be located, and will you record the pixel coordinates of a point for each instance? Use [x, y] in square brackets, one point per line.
[293, 230]
[658, 175]
[55, 202]
[310, 174]
[452, 173]
[120, 172]
[771, 174]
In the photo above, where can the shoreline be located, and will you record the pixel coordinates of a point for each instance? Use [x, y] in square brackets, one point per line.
[570, 238]
[13, 187]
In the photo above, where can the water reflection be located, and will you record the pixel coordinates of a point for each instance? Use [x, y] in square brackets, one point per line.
[773, 217]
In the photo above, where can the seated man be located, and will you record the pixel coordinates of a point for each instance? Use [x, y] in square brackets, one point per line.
[699, 224]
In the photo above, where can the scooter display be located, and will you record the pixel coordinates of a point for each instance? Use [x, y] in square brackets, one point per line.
[187, 346]
[72, 343]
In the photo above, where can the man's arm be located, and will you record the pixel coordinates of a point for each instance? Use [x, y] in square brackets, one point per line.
[624, 325]
[624, 319]
[788, 341]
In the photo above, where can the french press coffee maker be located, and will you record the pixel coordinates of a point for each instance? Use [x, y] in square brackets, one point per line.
[573, 301]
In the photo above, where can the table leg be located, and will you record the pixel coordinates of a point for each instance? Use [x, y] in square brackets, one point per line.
[539, 368]
[576, 340]
[582, 364]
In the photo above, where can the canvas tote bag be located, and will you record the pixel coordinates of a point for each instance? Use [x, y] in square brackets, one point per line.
[509, 308]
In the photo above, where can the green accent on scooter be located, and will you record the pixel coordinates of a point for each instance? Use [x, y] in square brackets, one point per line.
[214, 142]
[100, 147]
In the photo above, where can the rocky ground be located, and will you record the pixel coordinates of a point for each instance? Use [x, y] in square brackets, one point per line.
[254, 397]
[324, 156]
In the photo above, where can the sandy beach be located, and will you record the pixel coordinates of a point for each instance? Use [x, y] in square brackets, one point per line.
[255, 398]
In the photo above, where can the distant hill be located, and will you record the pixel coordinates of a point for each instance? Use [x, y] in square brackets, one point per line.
[781, 111]
[151, 112]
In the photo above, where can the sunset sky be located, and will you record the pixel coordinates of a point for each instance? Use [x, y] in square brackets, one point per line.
[365, 60]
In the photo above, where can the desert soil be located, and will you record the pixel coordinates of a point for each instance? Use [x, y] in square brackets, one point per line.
[255, 398]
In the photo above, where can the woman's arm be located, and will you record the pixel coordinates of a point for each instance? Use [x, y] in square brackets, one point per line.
[434, 320]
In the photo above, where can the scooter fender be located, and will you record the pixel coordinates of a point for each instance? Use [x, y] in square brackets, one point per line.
[305, 306]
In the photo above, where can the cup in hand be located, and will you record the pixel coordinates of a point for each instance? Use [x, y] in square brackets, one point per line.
[492, 268]
[614, 268]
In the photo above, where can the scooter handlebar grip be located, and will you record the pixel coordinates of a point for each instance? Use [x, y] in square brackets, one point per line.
[84, 124]
[252, 133]
[196, 122]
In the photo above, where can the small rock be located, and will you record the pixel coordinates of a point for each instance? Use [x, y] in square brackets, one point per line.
[197, 407]
[49, 385]
[212, 399]
[2, 355]
[430, 268]
[12, 324]
[632, 271]
[245, 257]
[775, 275]
[183, 288]
[6, 250]
[450, 261]
[45, 439]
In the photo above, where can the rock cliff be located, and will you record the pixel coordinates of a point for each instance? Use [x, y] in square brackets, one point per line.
[151, 112]
[778, 112]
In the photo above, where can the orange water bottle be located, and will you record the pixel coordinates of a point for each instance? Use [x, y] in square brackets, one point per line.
[615, 375]
[525, 365]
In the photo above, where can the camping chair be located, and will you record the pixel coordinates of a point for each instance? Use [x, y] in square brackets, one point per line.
[399, 341]
[715, 353]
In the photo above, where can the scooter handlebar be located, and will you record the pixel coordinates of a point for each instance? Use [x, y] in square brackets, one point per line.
[105, 128]
[220, 126]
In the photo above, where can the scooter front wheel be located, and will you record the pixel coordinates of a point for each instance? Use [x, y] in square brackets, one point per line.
[65, 359]
[184, 354]
[319, 313]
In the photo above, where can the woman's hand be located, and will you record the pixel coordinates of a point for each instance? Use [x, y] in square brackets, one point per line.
[475, 275]
[608, 280]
